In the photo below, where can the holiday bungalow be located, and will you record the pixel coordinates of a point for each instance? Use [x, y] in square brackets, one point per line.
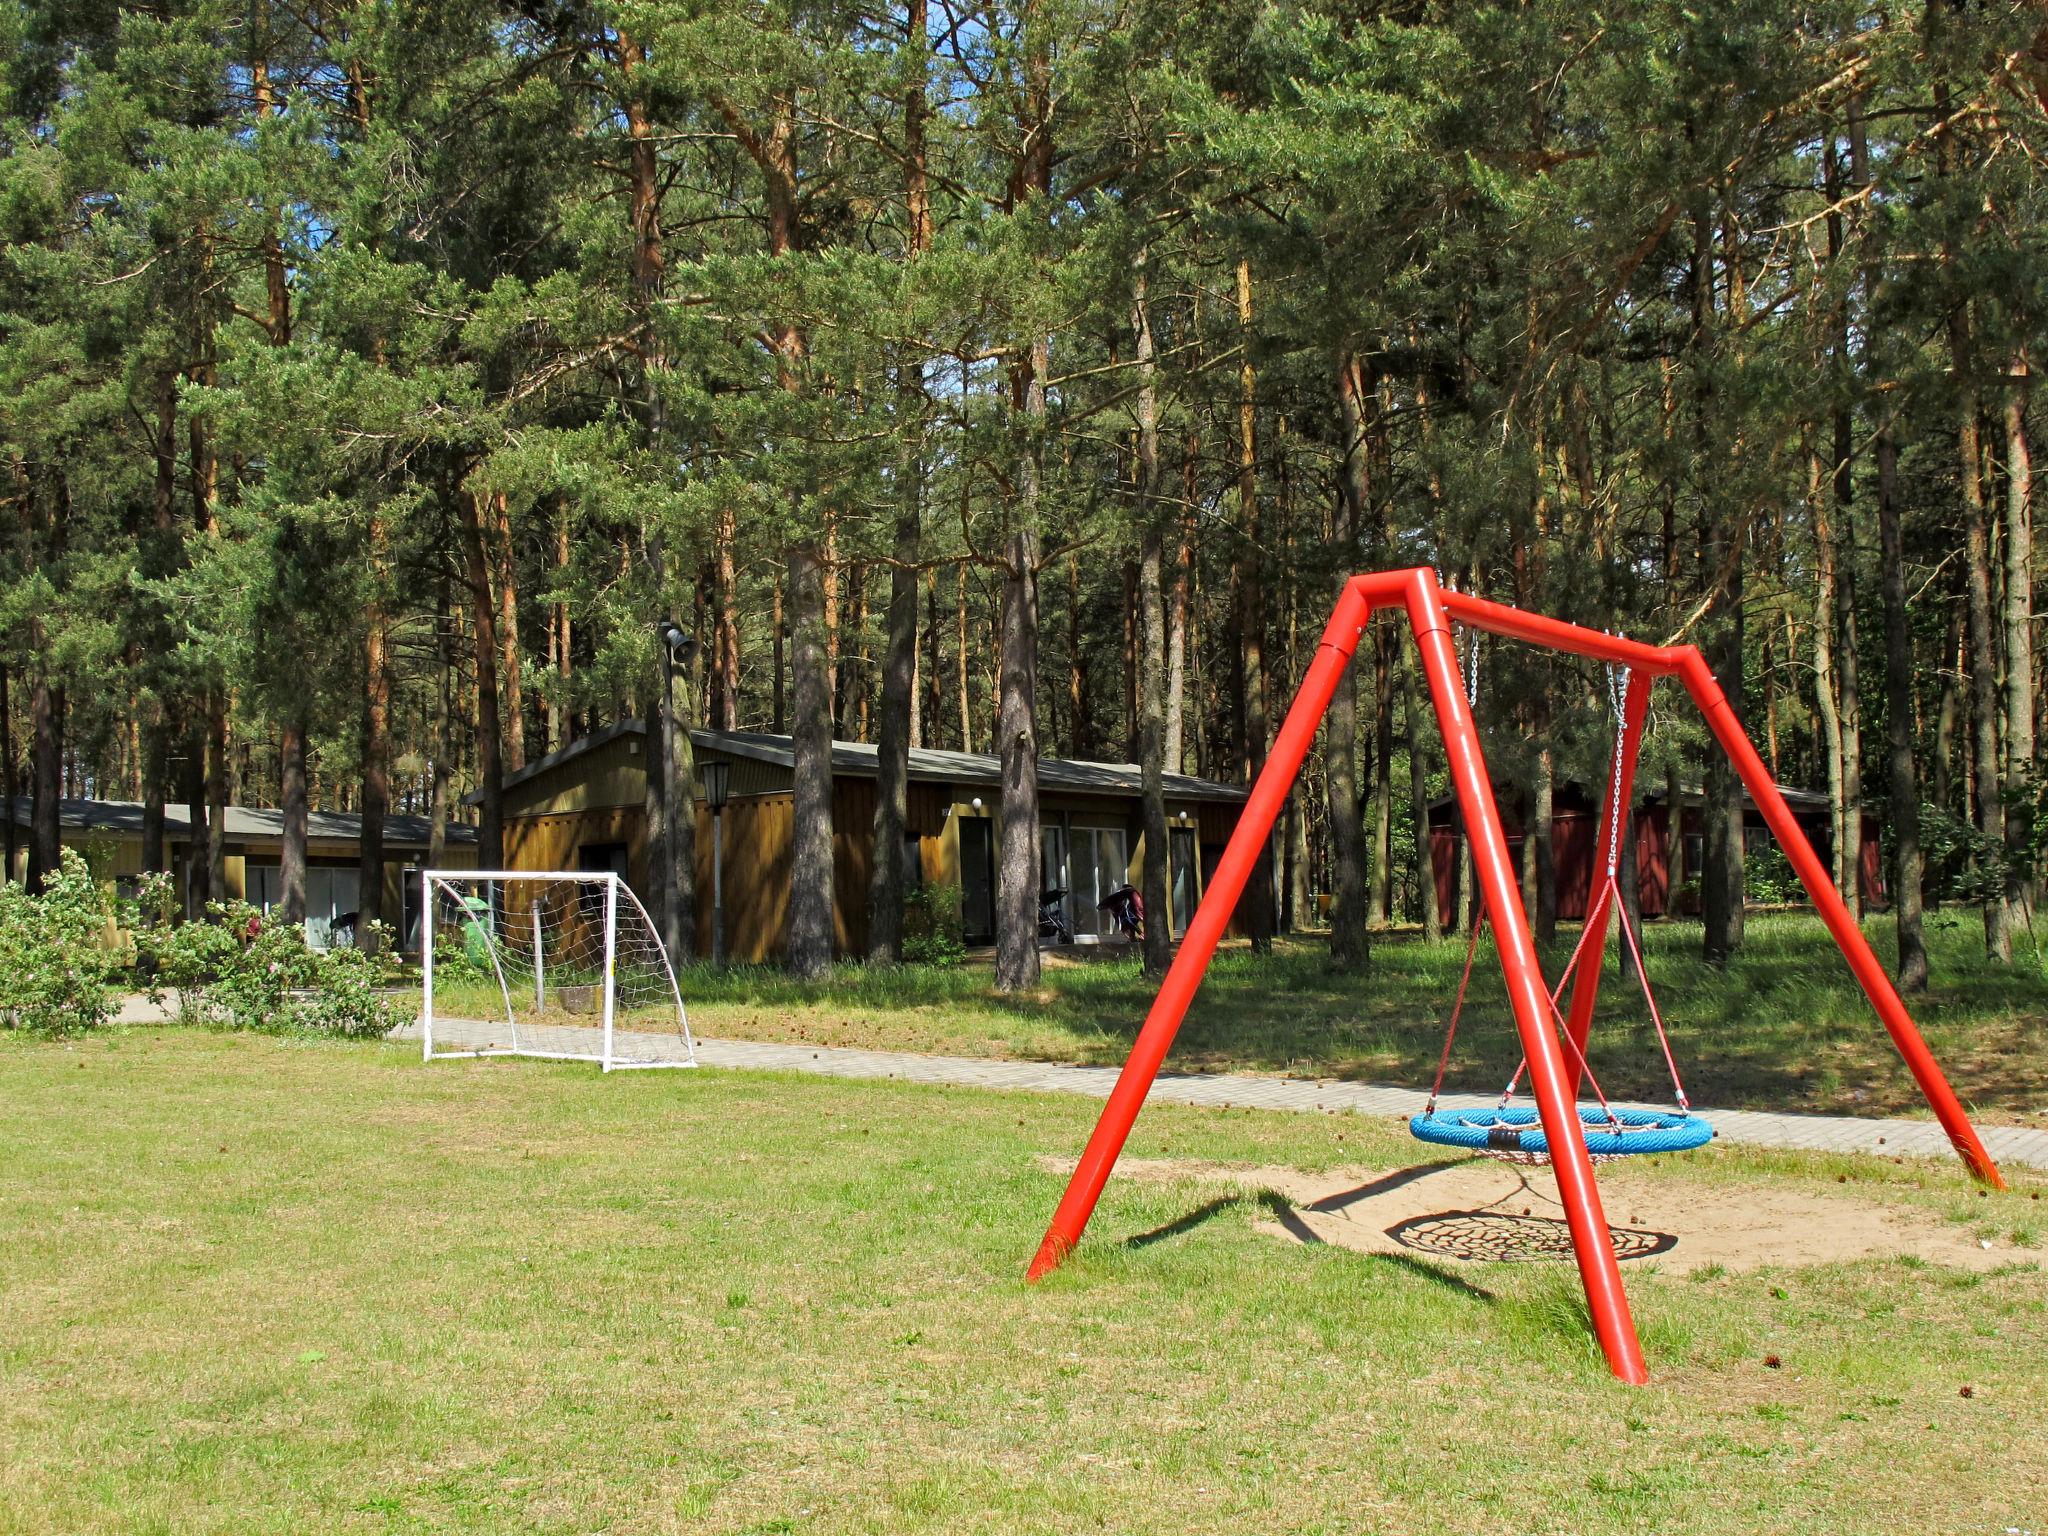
[109, 835]
[1575, 820]
[584, 808]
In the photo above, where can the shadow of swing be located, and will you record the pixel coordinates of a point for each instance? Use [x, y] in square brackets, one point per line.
[1489, 1235]
[1500, 1237]
[1183, 1224]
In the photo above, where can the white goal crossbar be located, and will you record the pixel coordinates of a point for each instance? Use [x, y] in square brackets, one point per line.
[564, 966]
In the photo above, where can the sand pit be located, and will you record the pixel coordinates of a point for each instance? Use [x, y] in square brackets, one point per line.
[1480, 1211]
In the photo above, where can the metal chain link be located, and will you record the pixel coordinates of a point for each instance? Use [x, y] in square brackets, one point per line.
[1619, 680]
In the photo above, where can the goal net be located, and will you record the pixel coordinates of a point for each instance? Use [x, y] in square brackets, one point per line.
[566, 966]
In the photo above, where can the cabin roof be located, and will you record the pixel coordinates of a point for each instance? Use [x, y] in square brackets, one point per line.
[859, 759]
[124, 818]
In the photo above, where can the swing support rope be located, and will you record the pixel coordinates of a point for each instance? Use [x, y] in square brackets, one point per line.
[1620, 679]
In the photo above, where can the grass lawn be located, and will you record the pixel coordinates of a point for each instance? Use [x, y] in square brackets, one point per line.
[254, 1285]
[1783, 1028]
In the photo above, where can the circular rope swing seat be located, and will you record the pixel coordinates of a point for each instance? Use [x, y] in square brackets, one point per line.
[1517, 1131]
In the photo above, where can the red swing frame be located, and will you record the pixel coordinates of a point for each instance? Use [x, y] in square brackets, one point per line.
[1430, 610]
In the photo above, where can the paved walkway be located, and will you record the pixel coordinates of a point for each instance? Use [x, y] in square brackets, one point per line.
[1809, 1133]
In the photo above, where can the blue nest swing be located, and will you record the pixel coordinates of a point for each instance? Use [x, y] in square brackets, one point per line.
[1609, 1132]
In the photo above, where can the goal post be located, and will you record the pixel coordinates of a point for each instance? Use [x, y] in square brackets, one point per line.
[563, 966]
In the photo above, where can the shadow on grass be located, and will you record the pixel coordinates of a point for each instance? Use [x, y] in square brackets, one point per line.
[1181, 1225]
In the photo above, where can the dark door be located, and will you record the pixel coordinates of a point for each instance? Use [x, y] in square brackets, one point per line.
[977, 879]
[1180, 848]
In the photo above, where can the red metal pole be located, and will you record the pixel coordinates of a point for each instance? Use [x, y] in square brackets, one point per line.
[1548, 1080]
[1870, 973]
[1557, 635]
[1628, 746]
[1212, 916]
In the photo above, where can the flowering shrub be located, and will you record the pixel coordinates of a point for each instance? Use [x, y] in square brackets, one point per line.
[56, 966]
[240, 971]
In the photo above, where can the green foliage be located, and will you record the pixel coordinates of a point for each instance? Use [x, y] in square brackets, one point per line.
[1767, 878]
[934, 928]
[57, 964]
[237, 971]
[1963, 865]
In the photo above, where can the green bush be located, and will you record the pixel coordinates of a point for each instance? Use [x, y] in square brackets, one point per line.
[934, 930]
[1768, 879]
[56, 966]
[237, 971]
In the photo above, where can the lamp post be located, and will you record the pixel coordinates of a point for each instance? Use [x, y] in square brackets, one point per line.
[717, 776]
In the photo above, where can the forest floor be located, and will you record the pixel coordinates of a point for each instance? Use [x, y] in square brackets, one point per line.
[1782, 1028]
[257, 1284]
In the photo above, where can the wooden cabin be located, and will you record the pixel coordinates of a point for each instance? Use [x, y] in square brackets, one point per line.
[109, 834]
[1575, 824]
[584, 808]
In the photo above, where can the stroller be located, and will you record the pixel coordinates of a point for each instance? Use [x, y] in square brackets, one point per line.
[1052, 917]
[1127, 907]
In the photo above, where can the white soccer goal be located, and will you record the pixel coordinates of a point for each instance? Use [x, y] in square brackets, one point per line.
[566, 966]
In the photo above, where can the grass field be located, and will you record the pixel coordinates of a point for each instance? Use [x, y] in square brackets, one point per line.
[1783, 1028]
[255, 1285]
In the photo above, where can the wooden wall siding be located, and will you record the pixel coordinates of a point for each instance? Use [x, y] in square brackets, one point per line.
[757, 835]
[925, 808]
[1214, 822]
[550, 842]
[611, 776]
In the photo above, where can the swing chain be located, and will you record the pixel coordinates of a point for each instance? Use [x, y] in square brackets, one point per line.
[1619, 681]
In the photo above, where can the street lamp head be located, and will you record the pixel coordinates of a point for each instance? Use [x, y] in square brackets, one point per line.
[680, 646]
[716, 775]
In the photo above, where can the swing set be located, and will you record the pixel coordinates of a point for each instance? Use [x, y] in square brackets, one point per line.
[1558, 1129]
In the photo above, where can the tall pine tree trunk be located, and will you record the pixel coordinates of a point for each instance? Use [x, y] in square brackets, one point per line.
[9, 790]
[1351, 895]
[1384, 653]
[899, 700]
[2019, 654]
[508, 635]
[1251, 586]
[1155, 877]
[1418, 797]
[1903, 809]
[292, 859]
[1844, 827]
[810, 892]
[1984, 700]
[1721, 877]
[376, 729]
[46, 772]
[490, 831]
[1017, 861]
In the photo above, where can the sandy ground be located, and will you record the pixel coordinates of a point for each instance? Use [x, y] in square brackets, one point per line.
[1484, 1211]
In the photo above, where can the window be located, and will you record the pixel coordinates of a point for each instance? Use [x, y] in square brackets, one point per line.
[1052, 858]
[913, 861]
